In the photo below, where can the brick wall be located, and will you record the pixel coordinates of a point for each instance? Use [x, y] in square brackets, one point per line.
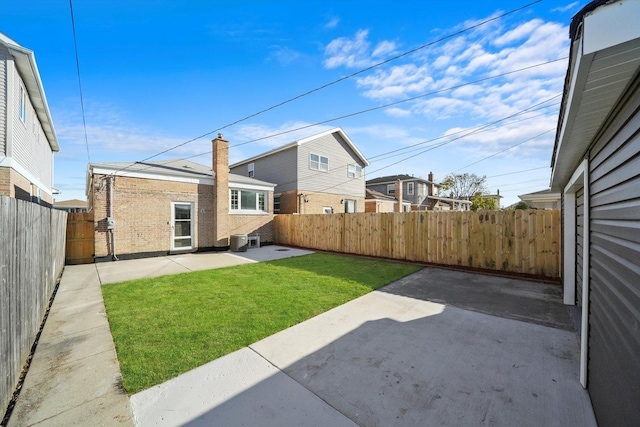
[13, 184]
[142, 210]
[315, 202]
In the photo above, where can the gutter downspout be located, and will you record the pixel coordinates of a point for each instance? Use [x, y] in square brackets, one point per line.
[113, 230]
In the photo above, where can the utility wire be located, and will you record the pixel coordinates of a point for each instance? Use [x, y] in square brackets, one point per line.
[529, 109]
[517, 172]
[75, 46]
[413, 98]
[486, 21]
[506, 149]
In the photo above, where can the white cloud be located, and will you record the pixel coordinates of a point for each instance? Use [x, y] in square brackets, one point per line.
[284, 55]
[285, 133]
[355, 52]
[332, 23]
[384, 48]
[398, 112]
[566, 8]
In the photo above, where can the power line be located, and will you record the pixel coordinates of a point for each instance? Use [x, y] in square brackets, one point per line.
[506, 149]
[75, 46]
[413, 98]
[529, 109]
[486, 21]
[522, 171]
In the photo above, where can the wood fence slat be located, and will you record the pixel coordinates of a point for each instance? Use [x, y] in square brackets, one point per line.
[511, 241]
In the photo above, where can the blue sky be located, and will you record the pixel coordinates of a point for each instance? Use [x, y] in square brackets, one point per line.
[158, 73]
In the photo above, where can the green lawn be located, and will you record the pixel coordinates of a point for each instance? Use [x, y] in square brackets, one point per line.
[168, 325]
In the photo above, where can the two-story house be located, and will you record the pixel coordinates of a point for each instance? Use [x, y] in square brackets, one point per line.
[323, 173]
[27, 137]
[422, 193]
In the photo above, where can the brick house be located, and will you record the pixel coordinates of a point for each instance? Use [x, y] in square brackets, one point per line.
[174, 206]
[27, 137]
[323, 173]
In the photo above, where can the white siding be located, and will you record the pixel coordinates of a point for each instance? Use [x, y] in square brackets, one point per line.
[278, 168]
[335, 180]
[29, 146]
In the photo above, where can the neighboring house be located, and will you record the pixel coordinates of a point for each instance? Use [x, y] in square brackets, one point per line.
[27, 137]
[596, 168]
[378, 202]
[423, 194]
[323, 173]
[545, 199]
[72, 206]
[174, 206]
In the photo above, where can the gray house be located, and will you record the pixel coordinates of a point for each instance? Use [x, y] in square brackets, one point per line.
[323, 173]
[596, 168]
[27, 137]
[422, 193]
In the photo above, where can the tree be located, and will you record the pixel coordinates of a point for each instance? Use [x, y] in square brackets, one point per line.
[464, 185]
[521, 205]
[479, 202]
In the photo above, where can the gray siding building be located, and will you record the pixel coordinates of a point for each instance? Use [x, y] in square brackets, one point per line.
[323, 173]
[27, 137]
[596, 168]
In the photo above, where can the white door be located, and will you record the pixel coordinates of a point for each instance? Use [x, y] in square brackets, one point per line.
[182, 226]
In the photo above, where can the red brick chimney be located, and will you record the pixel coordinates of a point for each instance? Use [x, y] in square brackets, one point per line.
[432, 185]
[221, 191]
[398, 207]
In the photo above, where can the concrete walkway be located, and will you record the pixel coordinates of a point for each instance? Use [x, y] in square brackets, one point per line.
[439, 347]
[388, 359]
[74, 378]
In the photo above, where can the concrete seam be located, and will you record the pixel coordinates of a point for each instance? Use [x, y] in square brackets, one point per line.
[98, 273]
[83, 358]
[74, 407]
[308, 389]
[181, 265]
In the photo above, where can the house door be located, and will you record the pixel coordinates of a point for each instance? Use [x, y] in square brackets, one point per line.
[182, 226]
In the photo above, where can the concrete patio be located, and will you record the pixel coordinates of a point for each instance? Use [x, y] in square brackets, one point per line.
[439, 347]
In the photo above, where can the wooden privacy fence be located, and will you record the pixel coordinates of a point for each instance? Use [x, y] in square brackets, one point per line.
[514, 241]
[31, 260]
[80, 239]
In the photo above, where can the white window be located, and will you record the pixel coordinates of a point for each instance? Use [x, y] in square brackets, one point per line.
[410, 188]
[23, 104]
[349, 206]
[248, 201]
[391, 189]
[319, 163]
[327, 210]
[354, 171]
[250, 169]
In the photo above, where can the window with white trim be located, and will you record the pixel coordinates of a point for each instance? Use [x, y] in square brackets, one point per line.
[391, 189]
[410, 188]
[23, 104]
[319, 163]
[354, 171]
[349, 206]
[248, 201]
[250, 170]
[327, 210]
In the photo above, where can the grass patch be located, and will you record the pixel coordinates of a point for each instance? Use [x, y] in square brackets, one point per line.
[168, 325]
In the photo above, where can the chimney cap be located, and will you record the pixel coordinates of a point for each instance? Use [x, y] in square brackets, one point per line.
[220, 136]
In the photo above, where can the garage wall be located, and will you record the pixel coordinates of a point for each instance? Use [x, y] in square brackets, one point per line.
[614, 254]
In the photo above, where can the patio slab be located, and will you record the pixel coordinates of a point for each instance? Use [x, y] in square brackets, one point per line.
[239, 389]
